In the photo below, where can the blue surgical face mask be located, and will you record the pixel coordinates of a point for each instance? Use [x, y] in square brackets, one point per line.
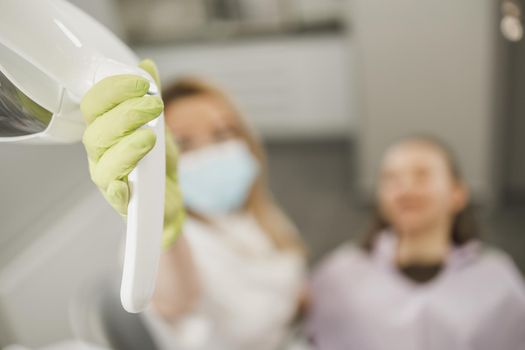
[217, 179]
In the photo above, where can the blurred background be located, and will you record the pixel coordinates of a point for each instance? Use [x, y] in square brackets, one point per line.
[327, 85]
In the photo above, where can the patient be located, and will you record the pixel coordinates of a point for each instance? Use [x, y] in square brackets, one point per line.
[422, 279]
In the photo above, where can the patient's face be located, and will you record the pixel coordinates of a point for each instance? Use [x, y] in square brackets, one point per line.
[200, 121]
[416, 188]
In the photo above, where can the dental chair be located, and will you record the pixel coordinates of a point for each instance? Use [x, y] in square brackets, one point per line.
[97, 317]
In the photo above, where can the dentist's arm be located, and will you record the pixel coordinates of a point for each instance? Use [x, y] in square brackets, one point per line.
[177, 289]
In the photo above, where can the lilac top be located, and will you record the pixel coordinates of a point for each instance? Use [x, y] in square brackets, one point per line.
[361, 301]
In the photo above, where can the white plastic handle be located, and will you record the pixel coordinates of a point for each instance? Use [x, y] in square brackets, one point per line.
[145, 225]
[145, 210]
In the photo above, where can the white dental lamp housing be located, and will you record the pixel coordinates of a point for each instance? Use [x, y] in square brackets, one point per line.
[51, 54]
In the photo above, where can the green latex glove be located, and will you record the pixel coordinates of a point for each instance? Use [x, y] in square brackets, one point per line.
[115, 108]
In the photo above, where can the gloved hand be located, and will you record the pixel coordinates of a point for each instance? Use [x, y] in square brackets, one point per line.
[115, 108]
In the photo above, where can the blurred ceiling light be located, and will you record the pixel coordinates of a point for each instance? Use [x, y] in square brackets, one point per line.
[511, 26]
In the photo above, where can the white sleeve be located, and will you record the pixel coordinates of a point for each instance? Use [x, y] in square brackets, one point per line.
[242, 293]
[238, 290]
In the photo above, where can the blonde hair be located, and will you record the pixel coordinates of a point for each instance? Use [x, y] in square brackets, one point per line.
[260, 202]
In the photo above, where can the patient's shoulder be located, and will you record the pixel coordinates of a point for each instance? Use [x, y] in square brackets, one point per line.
[342, 256]
[496, 262]
[345, 261]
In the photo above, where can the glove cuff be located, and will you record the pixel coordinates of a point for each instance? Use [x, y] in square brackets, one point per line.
[173, 230]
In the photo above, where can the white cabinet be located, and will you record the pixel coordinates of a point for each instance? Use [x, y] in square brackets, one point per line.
[57, 234]
[286, 87]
